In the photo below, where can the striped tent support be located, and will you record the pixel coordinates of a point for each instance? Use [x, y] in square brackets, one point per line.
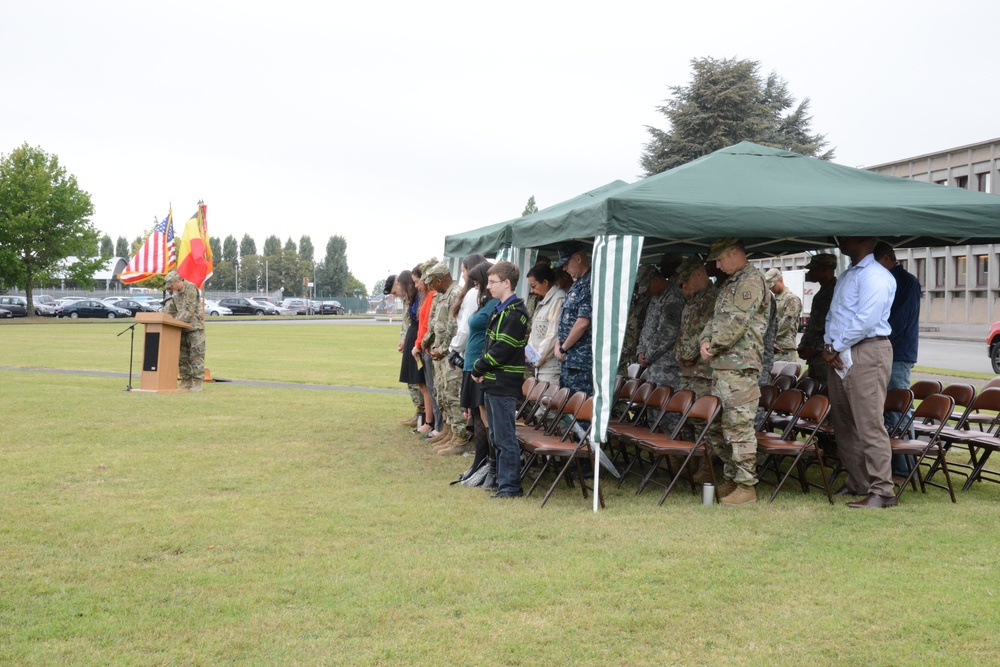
[613, 269]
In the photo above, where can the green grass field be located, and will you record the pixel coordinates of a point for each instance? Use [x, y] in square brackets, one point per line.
[257, 525]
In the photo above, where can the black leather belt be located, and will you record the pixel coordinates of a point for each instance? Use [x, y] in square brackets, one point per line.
[873, 338]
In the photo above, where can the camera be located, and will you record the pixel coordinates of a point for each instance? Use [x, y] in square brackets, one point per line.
[456, 359]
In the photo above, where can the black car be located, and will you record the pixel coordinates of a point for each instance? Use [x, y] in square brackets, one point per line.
[330, 308]
[91, 308]
[241, 306]
[6, 314]
[133, 306]
[18, 305]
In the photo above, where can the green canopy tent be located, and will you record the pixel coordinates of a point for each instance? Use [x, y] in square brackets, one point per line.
[778, 202]
[495, 240]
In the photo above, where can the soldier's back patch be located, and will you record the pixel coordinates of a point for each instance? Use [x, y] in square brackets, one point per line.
[745, 299]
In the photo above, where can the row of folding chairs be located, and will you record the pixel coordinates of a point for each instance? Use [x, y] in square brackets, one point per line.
[548, 428]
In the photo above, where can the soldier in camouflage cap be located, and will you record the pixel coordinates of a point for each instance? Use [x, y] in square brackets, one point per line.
[636, 317]
[659, 336]
[788, 312]
[441, 328]
[733, 343]
[186, 306]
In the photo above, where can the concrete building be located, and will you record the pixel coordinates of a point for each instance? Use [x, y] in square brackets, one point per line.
[961, 284]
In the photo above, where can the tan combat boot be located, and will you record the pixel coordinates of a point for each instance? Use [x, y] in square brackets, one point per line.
[195, 385]
[743, 495]
[411, 422]
[443, 435]
[456, 447]
[726, 488]
[444, 443]
[703, 474]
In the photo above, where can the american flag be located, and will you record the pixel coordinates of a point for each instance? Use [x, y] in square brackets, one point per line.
[156, 256]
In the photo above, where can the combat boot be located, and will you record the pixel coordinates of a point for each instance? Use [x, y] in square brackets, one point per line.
[443, 435]
[195, 385]
[412, 421]
[444, 443]
[743, 495]
[185, 385]
[703, 475]
[458, 447]
[726, 488]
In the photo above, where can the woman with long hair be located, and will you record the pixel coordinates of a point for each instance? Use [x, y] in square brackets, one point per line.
[472, 394]
[423, 313]
[409, 371]
[545, 322]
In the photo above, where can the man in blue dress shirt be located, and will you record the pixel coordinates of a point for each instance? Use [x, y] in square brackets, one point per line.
[859, 354]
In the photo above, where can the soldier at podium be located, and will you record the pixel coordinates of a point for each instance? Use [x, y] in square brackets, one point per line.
[185, 305]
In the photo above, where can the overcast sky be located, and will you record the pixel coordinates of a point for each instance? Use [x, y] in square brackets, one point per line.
[395, 124]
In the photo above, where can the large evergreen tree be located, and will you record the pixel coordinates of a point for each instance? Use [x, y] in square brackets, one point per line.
[44, 220]
[332, 275]
[121, 248]
[215, 244]
[230, 250]
[727, 102]
[272, 246]
[306, 250]
[530, 207]
[107, 247]
[247, 246]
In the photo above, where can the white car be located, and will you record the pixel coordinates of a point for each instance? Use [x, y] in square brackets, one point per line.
[213, 309]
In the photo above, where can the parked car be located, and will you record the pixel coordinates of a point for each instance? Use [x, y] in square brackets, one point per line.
[91, 308]
[6, 314]
[43, 298]
[114, 299]
[298, 306]
[279, 310]
[44, 309]
[241, 306]
[993, 345]
[330, 308]
[213, 309]
[133, 306]
[18, 305]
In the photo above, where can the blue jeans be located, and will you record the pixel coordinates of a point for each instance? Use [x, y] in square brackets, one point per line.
[900, 379]
[500, 411]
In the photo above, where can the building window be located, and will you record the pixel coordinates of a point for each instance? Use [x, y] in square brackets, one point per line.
[943, 182]
[962, 182]
[921, 272]
[961, 268]
[983, 182]
[939, 271]
[982, 270]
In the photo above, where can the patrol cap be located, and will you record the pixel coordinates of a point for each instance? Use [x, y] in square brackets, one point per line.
[771, 277]
[171, 277]
[389, 282]
[822, 261]
[723, 244]
[426, 265]
[439, 270]
[642, 278]
[566, 251]
[687, 268]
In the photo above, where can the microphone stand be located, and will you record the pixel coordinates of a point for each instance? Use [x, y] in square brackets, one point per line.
[131, 352]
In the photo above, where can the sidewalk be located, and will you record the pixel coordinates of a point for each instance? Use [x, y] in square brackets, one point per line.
[970, 334]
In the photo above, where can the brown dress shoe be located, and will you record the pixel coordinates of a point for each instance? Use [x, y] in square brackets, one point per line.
[874, 500]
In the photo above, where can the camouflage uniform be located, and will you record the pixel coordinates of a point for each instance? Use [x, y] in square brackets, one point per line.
[578, 368]
[441, 328]
[813, 335]
[789, 311]
[636, 318]
[657, 344]
[735, 337]
[767, 360]
[698, 378]
[186, 306]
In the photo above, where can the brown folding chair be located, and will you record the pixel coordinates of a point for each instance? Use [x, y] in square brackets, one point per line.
[897, 400]
[677, 403]
[532, 390]
[809, 419]
[985, 406]
[983, 446]
[626, 434]
[783, 382]
[934, 410]
[661, 445]
[543, 421]
[783, 410]
[552, 449]
[925, 388]
[767, 395]
[624, 395]
[807, 386]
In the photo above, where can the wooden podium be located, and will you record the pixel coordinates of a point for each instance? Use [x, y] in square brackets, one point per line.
[161, 351]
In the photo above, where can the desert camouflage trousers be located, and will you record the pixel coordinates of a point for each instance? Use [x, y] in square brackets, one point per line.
[738, 392]
[448, 387]
[416, 396]
[191, 365]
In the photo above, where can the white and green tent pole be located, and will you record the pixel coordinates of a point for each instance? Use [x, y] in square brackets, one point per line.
[613, 269]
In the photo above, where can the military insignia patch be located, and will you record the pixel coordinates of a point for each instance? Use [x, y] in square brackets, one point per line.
[747, 295]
